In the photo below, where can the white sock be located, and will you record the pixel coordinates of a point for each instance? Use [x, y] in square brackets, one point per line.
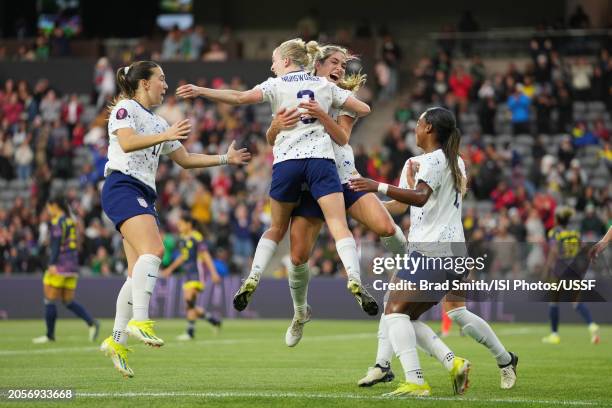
[263, 253]
[432, 344]
[123, 312]
[396, 243]
[298, 286]
[144, 277]
[384, 353]
[347, 250]
[475, 327]
[403, 339]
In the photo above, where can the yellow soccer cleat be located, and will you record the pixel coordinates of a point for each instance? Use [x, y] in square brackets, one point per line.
[408, 389]
[594, 330]
[459, 375]
[243, 296]
[362, 296]
[118, 354]
[552, 338]
[143, 331]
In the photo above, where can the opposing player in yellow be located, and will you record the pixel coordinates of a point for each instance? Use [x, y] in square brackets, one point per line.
[193, 251]
[61, 277]
[564, 262]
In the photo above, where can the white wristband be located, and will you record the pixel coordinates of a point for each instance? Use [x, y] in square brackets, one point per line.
[223, 159]
[382, 188]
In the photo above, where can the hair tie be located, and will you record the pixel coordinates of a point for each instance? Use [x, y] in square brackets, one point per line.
[126, 69]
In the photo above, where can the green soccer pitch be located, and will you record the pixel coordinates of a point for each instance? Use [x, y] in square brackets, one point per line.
[248, 365]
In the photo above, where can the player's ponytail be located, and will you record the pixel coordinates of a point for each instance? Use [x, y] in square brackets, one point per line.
[448, 135]
[128, 79]
[297, 51]
[313, 52]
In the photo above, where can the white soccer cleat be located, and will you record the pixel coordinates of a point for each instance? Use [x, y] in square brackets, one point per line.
[594, 330]
[508, 373]
[94, 330]
[296, 329]
[376, 375]
[42, 340]
[184, 337]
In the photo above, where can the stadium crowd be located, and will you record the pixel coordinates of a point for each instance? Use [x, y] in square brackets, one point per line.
[48, 145]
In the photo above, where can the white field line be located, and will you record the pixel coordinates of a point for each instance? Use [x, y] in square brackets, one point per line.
[279, 395]
[337, 337]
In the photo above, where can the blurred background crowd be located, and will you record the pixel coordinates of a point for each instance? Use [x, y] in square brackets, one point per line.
[536, 135]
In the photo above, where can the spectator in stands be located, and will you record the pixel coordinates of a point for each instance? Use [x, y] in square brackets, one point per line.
[519, 105]
[592, 227]
[71, 112]
[60, 45]
[171, 46]
[104, 82]
[23, 160]
[582, 73]
[579, 19]
[216, 53]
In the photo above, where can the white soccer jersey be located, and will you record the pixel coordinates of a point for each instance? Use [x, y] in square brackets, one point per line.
[308, 138]
[344, 156]
[140, 164]
[439, 220]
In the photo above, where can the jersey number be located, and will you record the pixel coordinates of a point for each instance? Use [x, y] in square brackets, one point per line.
[311, 95]
[156, 149]
[456, 203]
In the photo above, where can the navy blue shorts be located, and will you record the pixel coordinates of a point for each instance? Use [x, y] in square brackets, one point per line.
[124, 197]
[309, 207]
[429, 270]
[288, 176]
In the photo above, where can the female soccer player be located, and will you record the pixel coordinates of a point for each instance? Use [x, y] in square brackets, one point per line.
[137, 138]
[303, 154]
[471, 324]
[193, 250]
[435, 225]
[307, 218]
[564, 263]
[60, 279]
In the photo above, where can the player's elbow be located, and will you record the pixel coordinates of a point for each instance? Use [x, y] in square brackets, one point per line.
[364, 110]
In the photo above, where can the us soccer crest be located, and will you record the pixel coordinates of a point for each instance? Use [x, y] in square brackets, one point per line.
[142, 202]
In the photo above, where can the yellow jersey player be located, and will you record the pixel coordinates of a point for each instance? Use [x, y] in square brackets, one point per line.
[565, 244]
[193, 251]
[60, 279]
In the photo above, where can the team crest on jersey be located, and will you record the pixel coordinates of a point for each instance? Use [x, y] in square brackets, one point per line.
[142, 202]
[121, 113]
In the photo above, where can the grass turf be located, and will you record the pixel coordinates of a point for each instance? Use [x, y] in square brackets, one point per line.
[248, 365]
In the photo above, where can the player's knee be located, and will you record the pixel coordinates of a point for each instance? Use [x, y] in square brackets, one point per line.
[276, 232]
[157, 250]
[190, 303]
[299, 256]
[386, 228]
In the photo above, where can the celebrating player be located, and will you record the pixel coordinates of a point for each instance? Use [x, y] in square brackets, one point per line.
[137, 138]
[435, 225]
[307, 218]
[193, 249]
[303, 154]
[60, 279]
[471, 324]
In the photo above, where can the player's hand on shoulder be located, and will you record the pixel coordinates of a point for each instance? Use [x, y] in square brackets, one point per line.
[237, 157]
[363, 184]
[179, 131]
[188, 91]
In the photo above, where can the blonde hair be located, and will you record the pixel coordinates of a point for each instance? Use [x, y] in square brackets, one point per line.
[298, 52]
[351, 82]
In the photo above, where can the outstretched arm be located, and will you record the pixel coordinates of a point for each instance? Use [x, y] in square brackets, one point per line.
[228, 96]
[196, 160]
[130, 141]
